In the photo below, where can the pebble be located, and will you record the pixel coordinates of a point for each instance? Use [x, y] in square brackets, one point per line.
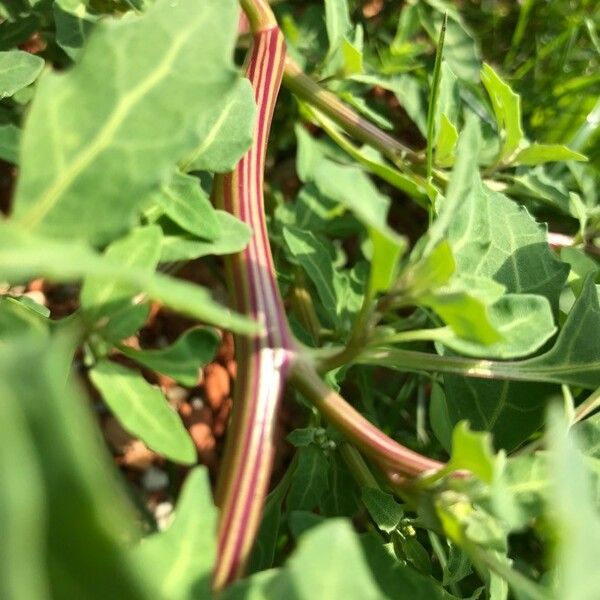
[155, 479]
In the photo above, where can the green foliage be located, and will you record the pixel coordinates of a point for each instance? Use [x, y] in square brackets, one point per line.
[143, 411]
[420, 276]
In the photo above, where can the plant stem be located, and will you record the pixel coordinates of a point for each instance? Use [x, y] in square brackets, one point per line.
[262, 360]
[588, 406]
[357, 465]
[259, 14]
[310, 91]
[387, 453]
[410, 183]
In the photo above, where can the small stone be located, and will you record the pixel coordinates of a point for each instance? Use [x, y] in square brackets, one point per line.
[155, 479]
[176, 395]
[216, 385]
[163, 514]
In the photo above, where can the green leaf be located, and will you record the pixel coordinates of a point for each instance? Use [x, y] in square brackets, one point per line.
[511, 410]
[72, 30]
[315, 259]
[460, 47]
[388, 248]
[17, 70]
[431, 271]
[185, 202]
[507, 108]
[10, 136]
[233, 237]
[542, 153]
[394, 578]
[493, 238]
[309, 482]
[351, 187]
[520, 490]
[445, 143]
[23, 257]
[514, 326]
[469, 320]
[108, 132]
[472, 451]
[109, 305]
[383, 508]
[182, 557]
[143, 411]
[329, 559]
[337, 22]
[84, 530]
[575, 519]
[575, 357]
[22, 506]
[229, 130]
[341, 499]
[369, 158]
[183, 359]
[17, 319]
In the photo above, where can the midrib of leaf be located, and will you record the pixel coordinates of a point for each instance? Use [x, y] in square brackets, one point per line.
[106, 134]
[482, 369]
[211, 136]
[128, 392]
[130, 261]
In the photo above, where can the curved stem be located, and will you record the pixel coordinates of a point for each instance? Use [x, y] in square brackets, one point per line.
[262, 360]
[387, 453]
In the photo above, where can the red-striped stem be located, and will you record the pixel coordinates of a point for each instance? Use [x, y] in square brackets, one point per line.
[387, 453]
[262, 361]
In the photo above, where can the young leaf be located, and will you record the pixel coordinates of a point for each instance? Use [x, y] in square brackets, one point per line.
[233, 237]
[445, 143]
[111, 301]
[382, 507]
[181, 558]
[143, 411]
[507, 108]
[16, 319]
[473, 452]
[109, 130]
[542, 153]
[17, 70]
[182, 360]
[315, 259]
[337, 22]
[516, 324]
[309, 482]
[185, 203]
